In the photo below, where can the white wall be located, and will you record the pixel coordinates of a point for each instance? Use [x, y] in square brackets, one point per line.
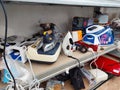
[23, 19]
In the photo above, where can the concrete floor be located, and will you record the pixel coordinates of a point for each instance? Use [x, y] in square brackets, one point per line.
[112, 84]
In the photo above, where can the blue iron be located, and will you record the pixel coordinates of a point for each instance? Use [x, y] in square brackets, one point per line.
[99, 35]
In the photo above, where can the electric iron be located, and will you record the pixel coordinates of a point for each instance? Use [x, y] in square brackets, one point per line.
[98, 35]
[39, 55]
[47, 48]
[68, 45]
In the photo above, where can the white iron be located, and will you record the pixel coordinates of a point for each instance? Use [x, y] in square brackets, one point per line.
[67, 44]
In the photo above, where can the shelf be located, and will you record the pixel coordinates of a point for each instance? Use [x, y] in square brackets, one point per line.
[47, 71]
[102, 3]
[115, 53]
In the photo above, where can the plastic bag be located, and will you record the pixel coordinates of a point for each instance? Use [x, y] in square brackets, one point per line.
[19, 71]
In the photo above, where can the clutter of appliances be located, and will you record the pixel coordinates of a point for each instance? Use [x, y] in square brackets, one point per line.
[46, 47]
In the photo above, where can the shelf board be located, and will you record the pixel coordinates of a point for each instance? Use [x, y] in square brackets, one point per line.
[115, 53]
[102, 3]
[46, 71]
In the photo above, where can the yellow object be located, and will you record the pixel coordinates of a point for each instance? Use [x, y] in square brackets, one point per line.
[44, 33]
[47, 32]
[77, 35]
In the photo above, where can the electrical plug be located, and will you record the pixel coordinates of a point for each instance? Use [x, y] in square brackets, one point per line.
[67, 70]
[91, 50]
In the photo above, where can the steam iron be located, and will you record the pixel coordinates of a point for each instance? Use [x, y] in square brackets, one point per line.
[35, 54]
[98, 35]
[49, 41]
[46, 49]
[67, 44]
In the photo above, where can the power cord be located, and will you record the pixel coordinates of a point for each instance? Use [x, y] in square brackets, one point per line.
[34, 85]
[5, 37]
[94, 61]
[76, 60]
[18, 87]
[91, 50]
[86, 73]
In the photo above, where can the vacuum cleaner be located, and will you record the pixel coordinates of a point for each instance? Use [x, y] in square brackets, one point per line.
[46, 48]
[98, 35]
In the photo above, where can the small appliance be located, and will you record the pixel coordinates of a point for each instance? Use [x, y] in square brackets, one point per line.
[35, 54]
[94, 29]
[47, 48]
[108, 65]
[48, 36]
[68, 44]
[98, 35]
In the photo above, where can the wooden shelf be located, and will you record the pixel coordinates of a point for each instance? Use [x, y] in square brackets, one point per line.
[46, 71]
